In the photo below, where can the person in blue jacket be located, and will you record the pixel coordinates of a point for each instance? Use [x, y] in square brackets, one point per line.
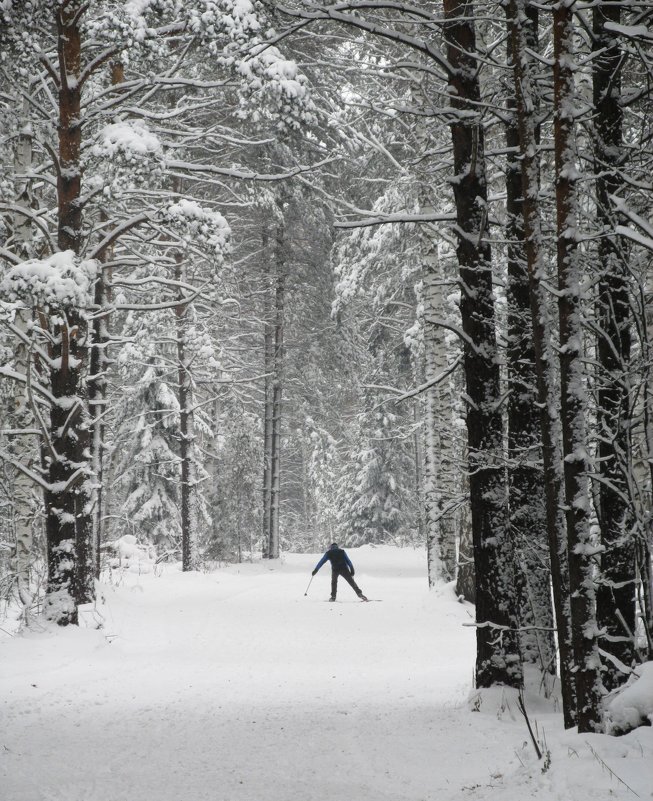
[340, 566]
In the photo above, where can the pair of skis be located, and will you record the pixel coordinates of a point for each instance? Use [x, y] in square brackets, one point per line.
[333, 600]
[361, 598]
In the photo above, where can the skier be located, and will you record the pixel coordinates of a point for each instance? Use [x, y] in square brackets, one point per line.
[340, 566]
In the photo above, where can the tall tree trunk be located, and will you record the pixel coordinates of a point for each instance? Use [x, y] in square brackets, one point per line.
[188, 488]
[419, 477]
[97, 393]
[440, 534]
[465, 575]
[23, 445]
[497, 659]
[584, 632]
[526, 495]
[615, 599]
[98, 366]
[68, 499]
[268, 412]
[277, 388]
[645, 542]
[518, 14]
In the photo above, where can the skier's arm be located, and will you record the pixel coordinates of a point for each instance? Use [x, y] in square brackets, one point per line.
[320, 563]
[348, 560]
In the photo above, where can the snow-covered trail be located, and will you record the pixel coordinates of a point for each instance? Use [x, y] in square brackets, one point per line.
[233, 686]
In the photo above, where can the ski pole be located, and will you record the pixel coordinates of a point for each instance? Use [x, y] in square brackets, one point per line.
[309, 584]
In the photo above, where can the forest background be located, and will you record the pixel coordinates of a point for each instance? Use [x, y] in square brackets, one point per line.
[374, 272]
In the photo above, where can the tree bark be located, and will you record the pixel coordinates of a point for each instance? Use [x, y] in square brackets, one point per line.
[188, 488]
[616, 591]
[543, 348]
[498, 659]
[68, 499]
[24, 448]
[584, 632]
[419, 478]
[466, 577]
[97, 392]
[268, 411]
[526, 494]
[98, 365]
[69, 177]
[22, 445]
[277, 389]
[440, 536]
[273, 364]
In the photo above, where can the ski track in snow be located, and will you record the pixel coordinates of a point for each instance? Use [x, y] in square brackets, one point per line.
[233, 686]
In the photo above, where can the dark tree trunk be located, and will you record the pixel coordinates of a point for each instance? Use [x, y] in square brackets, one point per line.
[273, 354]
[498, 659]
[526, 499]
[616, 611]
[69, 178]
[69, 527]
[97, 392]
[518, 14]
[277, 390]
[187, 490]
[268, 412]
[572, 382]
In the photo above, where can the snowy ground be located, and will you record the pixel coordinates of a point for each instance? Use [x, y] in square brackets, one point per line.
[233, 686]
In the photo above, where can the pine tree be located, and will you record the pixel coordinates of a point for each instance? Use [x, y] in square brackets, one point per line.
[147, 463]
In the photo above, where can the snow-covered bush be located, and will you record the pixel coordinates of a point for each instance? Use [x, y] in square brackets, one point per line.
[632, 705]
[129, 554]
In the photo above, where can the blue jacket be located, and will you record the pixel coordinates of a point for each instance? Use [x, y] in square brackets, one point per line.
[339, 561]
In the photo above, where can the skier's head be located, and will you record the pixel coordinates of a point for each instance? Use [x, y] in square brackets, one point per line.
[333, 545]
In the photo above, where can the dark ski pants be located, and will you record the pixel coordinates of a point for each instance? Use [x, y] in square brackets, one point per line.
[347, 577]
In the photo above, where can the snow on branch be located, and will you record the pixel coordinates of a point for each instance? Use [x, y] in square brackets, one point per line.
[401, 395]
[59, 486]
[200, 225]
[281, 83]
[247, 175]
[399, 217]
[57, 282]
[635, 236]
[231, 34]
[130, 155]
[630, 31]
[7, 372]
[128, 139]
[346, 14]
[501, 628]
[645, 239]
